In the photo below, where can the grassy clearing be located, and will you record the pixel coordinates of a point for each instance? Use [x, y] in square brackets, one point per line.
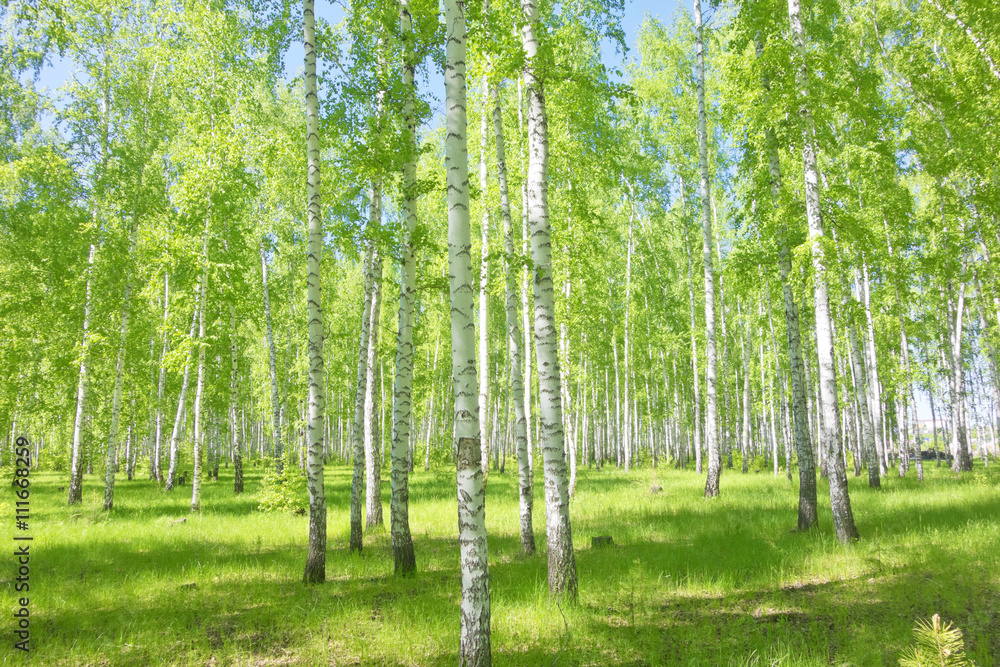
[689, 581]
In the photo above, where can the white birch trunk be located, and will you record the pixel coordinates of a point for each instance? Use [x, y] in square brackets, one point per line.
[199, 394]
[871, 365]
[694, 348]
[234, 422]
[525, 296]
[711, 431]
[861, 391]
[357, 427]
[272, 354]
[315, 568]
[627, 441]
[176, 434]
[484, 275]
[474, 646]
[82, 394]
[525, 500]
[372, 423]
[403, 558]
[155, 468]
[959, 435]
[561, 560]
[840, 501]
[116, 399]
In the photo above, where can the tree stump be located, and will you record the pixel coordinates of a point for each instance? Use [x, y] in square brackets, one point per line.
[601, 541]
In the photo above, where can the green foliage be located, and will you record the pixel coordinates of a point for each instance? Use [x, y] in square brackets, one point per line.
[285, 492]
[937, 645]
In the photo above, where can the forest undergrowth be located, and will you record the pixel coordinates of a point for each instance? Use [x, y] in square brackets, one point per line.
[688, 581]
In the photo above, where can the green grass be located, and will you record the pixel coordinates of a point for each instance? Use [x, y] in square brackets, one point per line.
[689, 581]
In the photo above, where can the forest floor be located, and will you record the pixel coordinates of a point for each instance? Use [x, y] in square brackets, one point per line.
[688, 581]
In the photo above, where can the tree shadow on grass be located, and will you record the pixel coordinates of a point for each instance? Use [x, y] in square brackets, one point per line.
[861, 621]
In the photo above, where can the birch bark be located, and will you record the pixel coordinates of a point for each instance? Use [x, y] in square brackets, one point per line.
[358, 427]
[116, 399]
[200, 386]
[372, 423]
[474, 646]
[175, 436]
[861, 391]
[403, 558]
[272, 354]
[711, 431]
[840, 501]
[315, 569]
[484, 274]
[561, 560]
[155, 469]
[82, 394]
[514, 341]
[234, 389]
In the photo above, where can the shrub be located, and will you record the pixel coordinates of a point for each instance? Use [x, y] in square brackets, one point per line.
[284, 492]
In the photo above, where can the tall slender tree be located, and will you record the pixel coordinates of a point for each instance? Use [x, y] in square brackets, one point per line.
[840, 500]
[711, 363]
[559, 537]
[403, 558]
[315, 571]
[474, 646]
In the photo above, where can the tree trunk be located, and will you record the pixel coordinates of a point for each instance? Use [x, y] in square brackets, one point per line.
[861, 391]
[959, 435]
[474, 645]
[711, 431]
[874, 387]
[315, 569]
[82, 394]
[694, 348]
[525, 297]
[199, 394]
[561, 560]
[629, 426]
[358, 426]
[403, 558]
[155, 469]
[746, 391]
[234, 391]
[484, 274]
[840, 501]
[175, 436]
[372, 425]
[514, 342]
[275, 399]
[116, 400]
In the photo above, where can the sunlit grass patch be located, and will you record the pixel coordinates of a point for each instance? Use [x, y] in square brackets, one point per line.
[688, 580]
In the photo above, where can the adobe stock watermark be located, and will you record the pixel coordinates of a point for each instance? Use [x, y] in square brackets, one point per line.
[22, 543]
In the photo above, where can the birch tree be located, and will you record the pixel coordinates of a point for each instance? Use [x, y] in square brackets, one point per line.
[711, 427]
[840, 501]
[403, 558]
[474, 646]
[525, 496]
[559, 538]
[315, 570]
[82, 394]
